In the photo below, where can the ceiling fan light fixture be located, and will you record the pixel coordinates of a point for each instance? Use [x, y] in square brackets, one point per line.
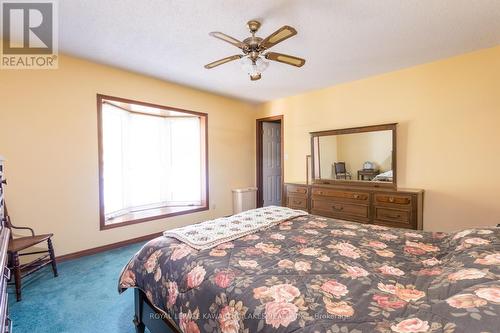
[254, 68]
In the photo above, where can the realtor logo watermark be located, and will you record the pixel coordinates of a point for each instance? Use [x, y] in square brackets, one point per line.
[29, 35]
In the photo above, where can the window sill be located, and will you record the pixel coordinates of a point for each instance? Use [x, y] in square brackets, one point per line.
[150, 215]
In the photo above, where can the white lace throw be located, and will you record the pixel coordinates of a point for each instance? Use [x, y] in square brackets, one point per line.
[206, 235]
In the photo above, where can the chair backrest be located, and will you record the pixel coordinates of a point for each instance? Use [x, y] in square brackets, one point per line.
[339, 167]
[6, 219]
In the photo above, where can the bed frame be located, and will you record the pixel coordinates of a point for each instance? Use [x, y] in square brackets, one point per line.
[146, 315]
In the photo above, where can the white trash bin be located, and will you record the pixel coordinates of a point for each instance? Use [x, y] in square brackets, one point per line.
[244, 199]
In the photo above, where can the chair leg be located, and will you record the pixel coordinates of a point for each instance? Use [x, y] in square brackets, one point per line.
[17, 274]
[52, 257]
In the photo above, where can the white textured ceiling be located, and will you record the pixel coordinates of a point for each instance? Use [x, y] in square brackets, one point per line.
[342, 40]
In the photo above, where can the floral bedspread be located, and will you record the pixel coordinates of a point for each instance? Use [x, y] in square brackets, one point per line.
[313, 274]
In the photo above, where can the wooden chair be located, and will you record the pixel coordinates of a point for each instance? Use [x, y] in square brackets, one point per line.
[340, 171]
[22, 243]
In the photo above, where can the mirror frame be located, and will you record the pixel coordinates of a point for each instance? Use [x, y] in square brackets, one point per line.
[314, 149]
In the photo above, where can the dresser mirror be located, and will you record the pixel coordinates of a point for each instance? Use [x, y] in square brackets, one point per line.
[363, 156]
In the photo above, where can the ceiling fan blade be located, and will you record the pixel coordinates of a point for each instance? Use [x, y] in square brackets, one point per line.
[223, 61]
[228, 39]
[278, 36]
[286, 59]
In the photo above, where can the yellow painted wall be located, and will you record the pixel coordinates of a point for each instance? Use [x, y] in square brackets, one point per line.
[448, 136]
[48, 133]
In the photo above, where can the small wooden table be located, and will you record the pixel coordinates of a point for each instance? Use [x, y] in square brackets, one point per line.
[369, 173]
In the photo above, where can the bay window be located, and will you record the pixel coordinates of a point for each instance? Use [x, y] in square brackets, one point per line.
[152, 161]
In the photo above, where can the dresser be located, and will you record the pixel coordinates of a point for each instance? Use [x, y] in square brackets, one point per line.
[400, 208]
[5, 322]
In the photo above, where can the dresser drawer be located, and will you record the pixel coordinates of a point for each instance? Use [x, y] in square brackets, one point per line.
[392, 215]
[394, 200]
[339, 194]
[341, 208]
[296, 202]
[297, 190]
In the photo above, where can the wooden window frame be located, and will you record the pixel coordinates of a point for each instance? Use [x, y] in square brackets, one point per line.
[158, 213]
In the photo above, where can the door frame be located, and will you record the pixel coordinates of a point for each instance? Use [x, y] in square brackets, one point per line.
[259, 150]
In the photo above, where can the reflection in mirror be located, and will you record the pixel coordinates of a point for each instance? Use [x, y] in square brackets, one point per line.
[365, 156]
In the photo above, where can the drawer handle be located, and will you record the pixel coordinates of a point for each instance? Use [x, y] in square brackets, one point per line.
[356, 196]
[337, 208]
[391, 199]
[320, 192]
[392, 216]
[6, 273]
[296, 202]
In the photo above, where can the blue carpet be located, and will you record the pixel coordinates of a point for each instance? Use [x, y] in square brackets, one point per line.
[84, 298]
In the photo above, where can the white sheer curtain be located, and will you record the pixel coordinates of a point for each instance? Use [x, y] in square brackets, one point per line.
[149, 161]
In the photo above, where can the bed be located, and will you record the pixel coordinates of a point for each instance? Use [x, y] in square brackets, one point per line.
[315, 274]
[384, 177]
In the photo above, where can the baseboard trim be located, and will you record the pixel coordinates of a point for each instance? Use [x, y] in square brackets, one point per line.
[108, 247]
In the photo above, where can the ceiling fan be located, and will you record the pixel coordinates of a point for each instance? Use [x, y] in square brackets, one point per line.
[255, 50]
